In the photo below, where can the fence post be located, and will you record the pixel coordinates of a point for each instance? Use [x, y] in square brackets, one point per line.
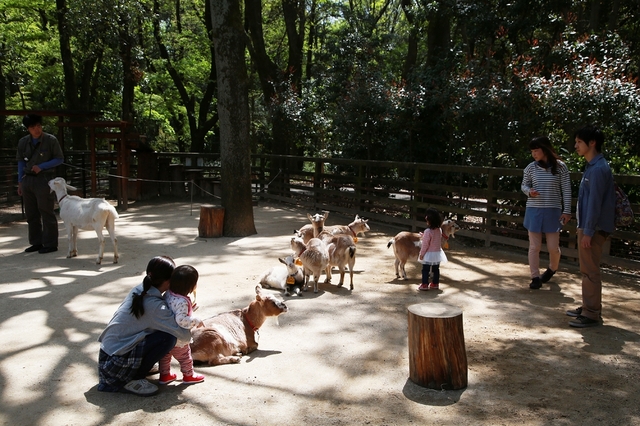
[318, 183]
[491, 206]
[414, 201]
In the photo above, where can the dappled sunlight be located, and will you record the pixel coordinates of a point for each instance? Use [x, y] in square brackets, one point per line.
[335, 350]
[75, 336]
[24, 387]
[21, 287]
[24, 331]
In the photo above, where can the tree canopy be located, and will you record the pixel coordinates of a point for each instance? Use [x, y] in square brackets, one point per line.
[444, 81]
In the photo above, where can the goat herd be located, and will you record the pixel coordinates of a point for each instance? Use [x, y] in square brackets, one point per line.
[316, 249]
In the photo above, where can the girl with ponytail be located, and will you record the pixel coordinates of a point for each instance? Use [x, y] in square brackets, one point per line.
[141, 332]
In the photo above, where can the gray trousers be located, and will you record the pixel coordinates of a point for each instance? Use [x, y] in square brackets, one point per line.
[38, 207]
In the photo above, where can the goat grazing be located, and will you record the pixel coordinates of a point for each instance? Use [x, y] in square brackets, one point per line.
[85, 213]
[288, 277]
[406, 245]
[312, 230]
[226, 337]
[342, 252]
[314, 258]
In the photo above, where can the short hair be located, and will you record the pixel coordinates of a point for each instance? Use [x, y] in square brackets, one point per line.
[31, 120]
[590, 133]
[184, 279]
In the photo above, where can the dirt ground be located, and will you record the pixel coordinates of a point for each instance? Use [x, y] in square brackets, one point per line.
[338, 357]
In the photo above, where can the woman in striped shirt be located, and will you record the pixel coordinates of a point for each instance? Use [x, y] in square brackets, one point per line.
[547, 184]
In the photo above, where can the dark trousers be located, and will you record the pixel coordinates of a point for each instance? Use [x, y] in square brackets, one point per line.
[156, 346]
[430, 268]
[38, 207]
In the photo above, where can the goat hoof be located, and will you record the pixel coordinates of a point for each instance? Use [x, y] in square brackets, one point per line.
[351, 287]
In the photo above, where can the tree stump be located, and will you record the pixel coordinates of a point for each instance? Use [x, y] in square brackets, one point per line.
[211, 221]
[437, 355]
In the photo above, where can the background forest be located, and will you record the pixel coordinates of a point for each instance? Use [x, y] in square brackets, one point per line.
[447, 81]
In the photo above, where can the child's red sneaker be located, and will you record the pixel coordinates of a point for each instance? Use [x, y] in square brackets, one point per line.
[423, 287]
[434, 286]
[166, 378]
[189, 380]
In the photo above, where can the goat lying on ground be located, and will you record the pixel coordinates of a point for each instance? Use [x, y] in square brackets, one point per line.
[314, 257]
[227, 336]
[85, 213]
[406, 245]
[312, 230]
[288, 277]
[342, 252]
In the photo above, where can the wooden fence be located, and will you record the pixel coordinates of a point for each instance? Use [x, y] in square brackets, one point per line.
[486, 202]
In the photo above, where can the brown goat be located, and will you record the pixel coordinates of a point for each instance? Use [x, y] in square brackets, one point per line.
[342, 252]
[406, 245]
[312, 230]
[358, 226]
[227, 336]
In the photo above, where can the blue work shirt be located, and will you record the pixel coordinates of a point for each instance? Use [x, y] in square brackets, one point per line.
[597, 198]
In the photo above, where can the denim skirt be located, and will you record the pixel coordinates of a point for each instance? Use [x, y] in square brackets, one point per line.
[542, 220]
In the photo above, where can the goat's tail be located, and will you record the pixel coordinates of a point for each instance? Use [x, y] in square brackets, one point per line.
[112, 211]
[391, 241]
[352, 251]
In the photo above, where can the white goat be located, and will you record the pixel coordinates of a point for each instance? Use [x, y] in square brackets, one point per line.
[314, 258]
[406, 245]
[289, 277]
[85, 213]
[342, 252]
[312, 230]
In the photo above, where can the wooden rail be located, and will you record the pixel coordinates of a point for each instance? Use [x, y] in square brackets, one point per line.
[485, 201]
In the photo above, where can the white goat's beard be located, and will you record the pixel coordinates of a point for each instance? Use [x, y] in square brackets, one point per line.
[277, 321]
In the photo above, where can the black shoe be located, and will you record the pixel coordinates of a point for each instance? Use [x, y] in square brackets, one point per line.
[33, 248]
[547, 275]
[575, 312]
[582, 321]
[47, 250]
[535, 283]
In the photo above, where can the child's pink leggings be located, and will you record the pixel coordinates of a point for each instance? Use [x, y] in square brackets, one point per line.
[183, 356]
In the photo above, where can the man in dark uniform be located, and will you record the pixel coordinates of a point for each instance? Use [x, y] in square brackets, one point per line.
[38, 155]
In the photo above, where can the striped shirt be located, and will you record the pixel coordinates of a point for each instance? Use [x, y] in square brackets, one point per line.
[555, 190]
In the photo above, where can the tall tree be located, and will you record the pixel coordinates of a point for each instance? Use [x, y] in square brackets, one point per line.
[199, 116]
[233, 110]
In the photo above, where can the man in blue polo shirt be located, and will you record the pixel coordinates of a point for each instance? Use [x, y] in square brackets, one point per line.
[38, 155]
[595, 213]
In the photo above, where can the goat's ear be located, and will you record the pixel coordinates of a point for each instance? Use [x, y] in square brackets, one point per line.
[282, 260]
[71, 188]
[310, 217]
[326, 214]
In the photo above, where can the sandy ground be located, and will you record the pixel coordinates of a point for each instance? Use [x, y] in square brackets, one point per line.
[338, 357]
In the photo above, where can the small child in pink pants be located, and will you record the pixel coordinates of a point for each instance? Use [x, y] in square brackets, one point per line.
[184, 280]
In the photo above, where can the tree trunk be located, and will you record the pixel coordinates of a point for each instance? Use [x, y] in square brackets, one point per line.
[233, 113]
[3, 106]
[438, 35]
[71, 98]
